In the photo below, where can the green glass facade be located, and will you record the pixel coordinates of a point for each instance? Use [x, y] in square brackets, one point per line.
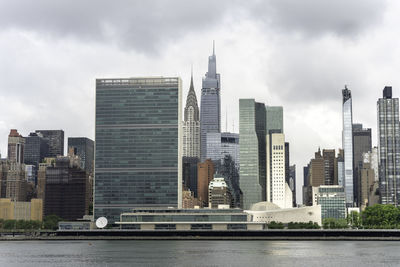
[274, 119]
[252, 131]
[138, 145]
[332, 199]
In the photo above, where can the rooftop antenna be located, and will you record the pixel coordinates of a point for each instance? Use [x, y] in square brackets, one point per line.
[226, 119]
[233, 126]
[213, 47]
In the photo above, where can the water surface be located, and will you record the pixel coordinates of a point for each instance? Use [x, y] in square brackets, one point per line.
[200, 253]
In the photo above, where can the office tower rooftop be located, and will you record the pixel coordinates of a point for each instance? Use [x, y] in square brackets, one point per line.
[84, 148]
[56, 141]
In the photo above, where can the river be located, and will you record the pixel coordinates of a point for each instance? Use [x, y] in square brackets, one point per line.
[200, 253]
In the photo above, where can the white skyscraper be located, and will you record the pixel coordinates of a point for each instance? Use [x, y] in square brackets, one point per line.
[278, 191]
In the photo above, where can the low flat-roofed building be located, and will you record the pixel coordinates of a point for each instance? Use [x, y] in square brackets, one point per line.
[267, 212]
[188, 219]
[332, 199]
[15, 210]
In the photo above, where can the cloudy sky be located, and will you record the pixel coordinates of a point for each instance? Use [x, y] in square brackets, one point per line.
[298, 54]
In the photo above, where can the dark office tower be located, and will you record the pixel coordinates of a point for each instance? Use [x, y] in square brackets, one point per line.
[290, 173]
[329, 166]
[56, 141]
[205, 175]
[190, 174]
[287, 162]
[252, 149]
[66, 189]
[307, 200]
[292, 183]
[389, 150]
[347, 140]
[36, 149]
[210, 110]
[138, 155]
[83, 147]
[16, 145]
[361, 144]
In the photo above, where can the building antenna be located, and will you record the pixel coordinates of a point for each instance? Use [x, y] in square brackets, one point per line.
[233, 126]
[213, 47]
[226, 119]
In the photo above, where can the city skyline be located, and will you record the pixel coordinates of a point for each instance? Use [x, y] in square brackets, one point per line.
[300, 66]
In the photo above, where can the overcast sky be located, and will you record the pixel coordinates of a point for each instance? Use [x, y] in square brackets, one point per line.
[297, 54]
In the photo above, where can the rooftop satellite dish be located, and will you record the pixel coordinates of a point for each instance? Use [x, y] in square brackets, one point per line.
[101, 222]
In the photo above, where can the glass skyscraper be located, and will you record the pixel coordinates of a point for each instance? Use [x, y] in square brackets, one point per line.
[138, 155]
[347, 140]
[389, 147]
[252, 146]
[210, 106]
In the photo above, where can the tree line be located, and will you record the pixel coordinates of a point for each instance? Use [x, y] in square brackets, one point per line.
[49, 222]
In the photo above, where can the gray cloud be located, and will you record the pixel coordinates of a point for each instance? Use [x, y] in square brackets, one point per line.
[316, 17]
[140, 25]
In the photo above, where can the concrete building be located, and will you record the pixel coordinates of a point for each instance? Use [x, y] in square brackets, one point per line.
[205, 173]
[138, 147]
[83, 147]
[219, 193]
[16, 184]
[368, 189]
[210, 111]
[16, 210]
[347, 140]
[252, 150]
[189, 201]
[278, 191]
[41, 183]
[188, 220]
[389, 150]
[191, 125]
[66, 189]
[56, 141]
[16, 146]
[361, 144]
[332, 199]
[267, 212]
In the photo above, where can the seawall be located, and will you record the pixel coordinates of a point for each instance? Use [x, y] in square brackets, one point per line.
[301, 234]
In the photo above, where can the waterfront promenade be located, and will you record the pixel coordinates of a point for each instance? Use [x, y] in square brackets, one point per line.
[289, 234]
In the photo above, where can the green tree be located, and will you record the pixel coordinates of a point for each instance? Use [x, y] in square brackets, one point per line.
[381, 217]
[275, 225]
[50, 222]
[333, 223]
[354, 219]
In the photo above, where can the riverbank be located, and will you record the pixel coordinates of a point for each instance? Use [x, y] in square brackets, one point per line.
[294, 234]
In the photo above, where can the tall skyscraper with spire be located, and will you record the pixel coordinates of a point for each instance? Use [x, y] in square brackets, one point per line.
[191, 125]
[210, 110]
[347, 140]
